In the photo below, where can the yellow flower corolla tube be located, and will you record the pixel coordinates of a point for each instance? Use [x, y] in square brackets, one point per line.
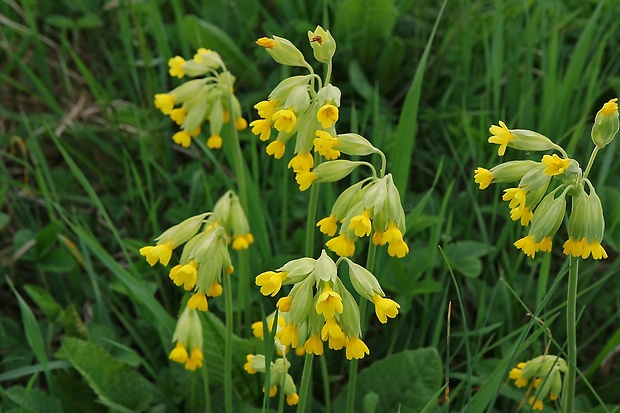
[325, 145]
[302, 162]
[284, 120]
[195, 360]
[164, 102]
[276, 149]
[160, 252]
[356, 348]
[198, 301]
[341, 245]
[314, 345]
[182, 138]
[384, 308]
[179, 354]
[214, 142]
[328, 225]
[270, 282]
[329, 302]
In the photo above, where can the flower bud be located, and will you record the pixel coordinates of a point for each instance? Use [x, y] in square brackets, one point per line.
[335, 170]
[325, 269]
[323, 44]
[606, 124]
[363, 281]
[328, 94]
[354, 144]
[182, 232]
[283, 51]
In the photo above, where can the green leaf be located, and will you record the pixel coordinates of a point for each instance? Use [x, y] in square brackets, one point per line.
[201, 33]
[404, 382]
[44, 300]
[46, 238]
[72, 323]
[464, 257]
[4, 220]
[115, 382]
[58, 261]
[33, 400]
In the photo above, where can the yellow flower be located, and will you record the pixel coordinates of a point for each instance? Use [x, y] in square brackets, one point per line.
[377, 238]
[593, 247]
[516, 374]
[276, 148]
[555, 165]
[164, 102]
[329, 303]
[328, 225]
[273, 390]
[516, 196]
[292, 399]
[225, 116]
[284, 304]
[314, 345]
[248, 365]
[261, 127]
[198, 301]
[305, 179]
[545, 244]
[159, 252]
[284, 120]
[327, 115]
[324, 144]
[524, 213]
[483, 177]
[185, 275]
[392, 234]
[176, 66]
[573, 247]
[182, 138]
[536, 404]
[266, 43]
[384, 308]
[528, 245]
[341, 245]
[241, 124]
[398, 249]
[214, 142]
[302, 162]
[240, 242]
[360, 224]
[610, 107]
[179, 354]
[266, 108]
[195, 132]
[215, 290]
[270, 282]
[195, 360]
[356, 348]
[331, 330]
[288, 336]
[178, 115]
[501, 136]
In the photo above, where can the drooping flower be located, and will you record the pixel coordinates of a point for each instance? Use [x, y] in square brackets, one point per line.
[501, 136]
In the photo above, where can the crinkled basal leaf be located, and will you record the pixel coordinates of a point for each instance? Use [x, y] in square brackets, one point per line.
[108, 377]
[404, 382]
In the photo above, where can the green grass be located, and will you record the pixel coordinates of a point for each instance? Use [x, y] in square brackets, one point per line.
[89, 175]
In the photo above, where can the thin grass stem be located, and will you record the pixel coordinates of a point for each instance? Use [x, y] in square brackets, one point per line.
[568, 396]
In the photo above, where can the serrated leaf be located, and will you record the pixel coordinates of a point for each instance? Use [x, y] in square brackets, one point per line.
[404, 382]
[108, 377]
[72, 323]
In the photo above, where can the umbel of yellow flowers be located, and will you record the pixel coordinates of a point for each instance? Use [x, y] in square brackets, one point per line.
[205, 256]
[544, 375]
[532, 204]
[207, 97]
[319, 308]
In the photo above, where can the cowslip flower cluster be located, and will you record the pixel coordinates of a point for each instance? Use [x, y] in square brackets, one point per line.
[205, 257]
[319, 308]
[544, 375]
[529, 201]
[209, 96]
[371, 204]
[188, 338]
[278, 376]
[300, 105]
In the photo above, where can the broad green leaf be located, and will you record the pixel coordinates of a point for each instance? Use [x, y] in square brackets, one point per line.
[58, 260]
[464, 257]
[33, 399]
[108, 377]
[405, 381]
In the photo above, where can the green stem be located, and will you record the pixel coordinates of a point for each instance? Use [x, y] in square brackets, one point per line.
[568, 396]
[228, 345]
[305, 384]
[591, 161]
[370, 263]
[310, 229]
[326, 388]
